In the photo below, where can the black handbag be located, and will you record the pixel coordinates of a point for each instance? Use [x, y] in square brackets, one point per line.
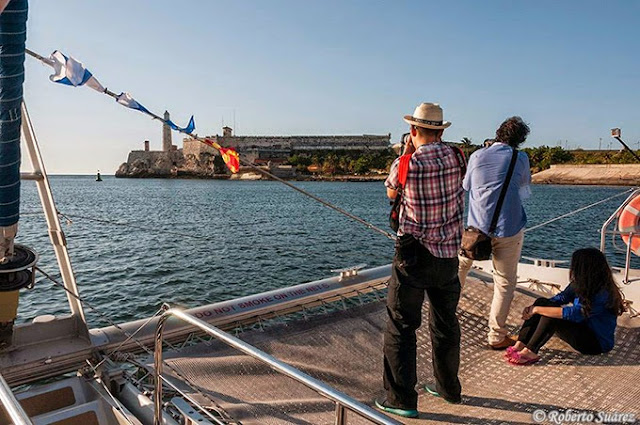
[476, 245]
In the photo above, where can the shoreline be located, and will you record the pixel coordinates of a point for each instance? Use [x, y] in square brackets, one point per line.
[589, 174]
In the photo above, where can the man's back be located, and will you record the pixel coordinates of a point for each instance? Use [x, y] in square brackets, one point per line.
[433, 201]
[484, 180]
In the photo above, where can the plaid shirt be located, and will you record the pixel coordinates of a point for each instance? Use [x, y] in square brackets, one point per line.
[433, 199]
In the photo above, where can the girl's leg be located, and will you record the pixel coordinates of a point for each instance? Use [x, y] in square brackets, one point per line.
[530, 325]
[579, 336]
[543, 332]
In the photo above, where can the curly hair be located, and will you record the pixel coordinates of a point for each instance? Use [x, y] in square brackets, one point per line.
[513, 131]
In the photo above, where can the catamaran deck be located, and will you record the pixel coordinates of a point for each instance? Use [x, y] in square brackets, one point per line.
[344, 349]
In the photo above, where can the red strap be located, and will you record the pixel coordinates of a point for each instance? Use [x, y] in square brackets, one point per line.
[462, 162]
[403, 169]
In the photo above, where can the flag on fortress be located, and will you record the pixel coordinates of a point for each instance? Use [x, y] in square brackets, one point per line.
[69, 71]
[128, 101]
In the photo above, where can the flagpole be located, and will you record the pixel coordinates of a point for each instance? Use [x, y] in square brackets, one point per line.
[216, 146]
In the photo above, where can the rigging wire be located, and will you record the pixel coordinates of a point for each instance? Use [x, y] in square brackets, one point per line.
[131, 225]
[577, 211]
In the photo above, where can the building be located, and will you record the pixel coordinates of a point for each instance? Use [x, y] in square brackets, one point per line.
[259, 149]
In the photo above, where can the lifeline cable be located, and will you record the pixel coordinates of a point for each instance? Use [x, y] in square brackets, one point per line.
[577, 211]
[247, 163]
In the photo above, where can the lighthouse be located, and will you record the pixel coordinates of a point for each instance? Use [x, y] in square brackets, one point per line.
[166, 134]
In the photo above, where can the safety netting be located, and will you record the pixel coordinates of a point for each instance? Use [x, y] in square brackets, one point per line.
[344, 349]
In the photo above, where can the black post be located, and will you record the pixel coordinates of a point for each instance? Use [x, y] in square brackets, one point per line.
[619, 139]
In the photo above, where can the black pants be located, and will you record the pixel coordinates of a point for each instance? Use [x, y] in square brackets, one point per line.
[416, 271]
[537, 330]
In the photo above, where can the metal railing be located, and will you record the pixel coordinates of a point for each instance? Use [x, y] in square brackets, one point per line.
[631, 235]
[343, 402]
[14, 409]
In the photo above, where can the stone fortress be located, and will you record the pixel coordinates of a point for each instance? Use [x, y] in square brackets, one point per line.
[197, 160]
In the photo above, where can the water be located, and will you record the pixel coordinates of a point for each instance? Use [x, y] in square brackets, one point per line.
[193, 242]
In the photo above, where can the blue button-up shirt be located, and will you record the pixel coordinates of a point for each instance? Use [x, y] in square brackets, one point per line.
[486, 173]
[602, 320]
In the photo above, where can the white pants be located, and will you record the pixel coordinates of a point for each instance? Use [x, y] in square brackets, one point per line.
[505, 257]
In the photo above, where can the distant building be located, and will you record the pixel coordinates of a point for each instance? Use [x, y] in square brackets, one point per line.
[260, 149]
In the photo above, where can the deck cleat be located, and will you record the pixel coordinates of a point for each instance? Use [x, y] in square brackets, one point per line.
[348, 272]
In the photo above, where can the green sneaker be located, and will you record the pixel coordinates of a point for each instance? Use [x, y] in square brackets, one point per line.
[406, 413]
[435, 393]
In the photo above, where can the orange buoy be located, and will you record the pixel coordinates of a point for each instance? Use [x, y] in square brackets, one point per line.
[629, 221]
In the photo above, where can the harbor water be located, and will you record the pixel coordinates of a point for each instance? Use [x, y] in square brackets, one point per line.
[135, 244]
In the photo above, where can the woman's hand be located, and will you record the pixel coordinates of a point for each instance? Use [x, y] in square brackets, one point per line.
[528, 312]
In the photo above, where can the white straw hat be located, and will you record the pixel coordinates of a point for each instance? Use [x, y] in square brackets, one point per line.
[427, 115]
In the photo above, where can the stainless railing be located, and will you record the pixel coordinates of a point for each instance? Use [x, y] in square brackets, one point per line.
[343, 402]
[11, 405]
[604, 232]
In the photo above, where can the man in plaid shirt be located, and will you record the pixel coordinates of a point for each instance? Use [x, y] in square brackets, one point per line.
[425, 261]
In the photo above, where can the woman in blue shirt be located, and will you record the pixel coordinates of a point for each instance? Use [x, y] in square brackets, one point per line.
[584, 315]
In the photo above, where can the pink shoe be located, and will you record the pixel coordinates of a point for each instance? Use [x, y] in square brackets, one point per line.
[517, 359]
[510, 350]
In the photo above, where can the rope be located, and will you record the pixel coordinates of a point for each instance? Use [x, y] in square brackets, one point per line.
[314, 197]
[576, 211]
[127, 224]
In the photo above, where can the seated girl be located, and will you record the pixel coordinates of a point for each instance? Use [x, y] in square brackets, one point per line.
[584, 315]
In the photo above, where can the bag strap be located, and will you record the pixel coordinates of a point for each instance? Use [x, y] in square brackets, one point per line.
[403, 170]
[462, 162]
[503, 192]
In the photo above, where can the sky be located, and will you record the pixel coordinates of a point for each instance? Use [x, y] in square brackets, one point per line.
[571, 69]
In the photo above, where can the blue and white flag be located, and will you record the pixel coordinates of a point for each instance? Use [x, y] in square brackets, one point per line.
[69, 71]
[188, 129]
[128, 101]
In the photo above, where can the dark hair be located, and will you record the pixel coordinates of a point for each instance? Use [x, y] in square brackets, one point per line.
[513, 131]
[427, 131]
[590, 273]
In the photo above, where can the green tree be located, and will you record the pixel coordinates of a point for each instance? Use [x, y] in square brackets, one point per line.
[362, 165]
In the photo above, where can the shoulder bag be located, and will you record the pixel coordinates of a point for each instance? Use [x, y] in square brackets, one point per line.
[476, 245]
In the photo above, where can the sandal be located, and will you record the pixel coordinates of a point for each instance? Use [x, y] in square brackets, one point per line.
[517, 359]
[509, 352]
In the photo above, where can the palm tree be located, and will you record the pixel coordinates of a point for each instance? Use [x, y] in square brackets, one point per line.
[466, 142]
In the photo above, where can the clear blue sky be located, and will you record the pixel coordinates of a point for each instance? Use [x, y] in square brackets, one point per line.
[571, 69]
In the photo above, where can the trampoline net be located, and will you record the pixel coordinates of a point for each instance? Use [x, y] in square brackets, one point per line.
[344, 349]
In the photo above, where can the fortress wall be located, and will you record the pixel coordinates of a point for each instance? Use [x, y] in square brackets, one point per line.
[301, 143]
[194, 147]
[149, 156]
[290, 143]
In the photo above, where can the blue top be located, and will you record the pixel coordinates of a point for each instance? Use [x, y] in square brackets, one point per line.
[486, 172]
[602, 320]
